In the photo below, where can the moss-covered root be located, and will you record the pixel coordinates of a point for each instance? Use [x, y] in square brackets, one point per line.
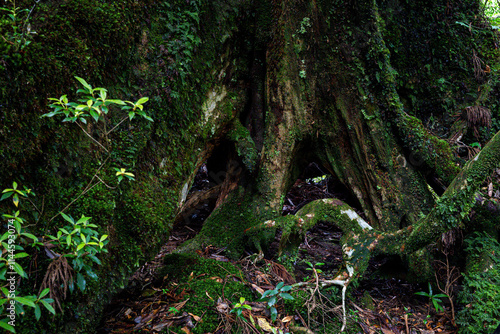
[358, 241]
[456, 202]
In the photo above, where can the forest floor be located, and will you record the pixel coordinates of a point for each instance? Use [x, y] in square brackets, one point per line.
[383, 302]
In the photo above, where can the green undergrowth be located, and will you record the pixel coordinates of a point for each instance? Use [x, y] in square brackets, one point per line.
[481, 287]
[206, 281]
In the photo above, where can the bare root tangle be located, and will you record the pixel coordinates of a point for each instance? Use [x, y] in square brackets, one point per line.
[477, 116]
[449, 275]
[479, 72]
[57, 278]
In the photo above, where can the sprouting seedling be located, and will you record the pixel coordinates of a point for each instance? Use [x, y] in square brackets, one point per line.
[313, 267]
[238, 308]
[273, 296]
[435, 299]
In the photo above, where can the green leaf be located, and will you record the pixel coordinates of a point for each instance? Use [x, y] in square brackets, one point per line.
[29, 235]
[80, 282]
[80, 246]
[248, 307]
[280, 285]
[47, 305]
[103, 237]
[20, 255]
[286, 288]
[15, 199]
[18, 269]
[6, 195]
[5, 325]
[272, 301]
[131, 115]
[24, 301]
[68, 240]
[274, 313]
[120, 102]
[266, 293]
[84, 83]
[68, 218]
[94, 115]
[83, 219]
[38, 312]
[142, 100]
[286, 296]
[44, 293]
[148, 118]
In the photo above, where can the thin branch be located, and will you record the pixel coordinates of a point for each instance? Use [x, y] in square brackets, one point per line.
[123, 120]
[81, 127]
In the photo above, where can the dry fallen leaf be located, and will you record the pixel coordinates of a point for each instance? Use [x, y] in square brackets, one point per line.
[287, 318]
[264, 325]
[258, 289]
[186, 330]
[195, 317]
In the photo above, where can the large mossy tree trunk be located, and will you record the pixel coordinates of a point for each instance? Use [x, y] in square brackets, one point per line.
[367, 89]
[343, 88]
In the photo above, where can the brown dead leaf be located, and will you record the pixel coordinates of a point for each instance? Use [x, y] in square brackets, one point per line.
[195, 317]
[217, 279]
[287, 318]
[387, 331]
[258, 289]
[186, 330]
[264, 325]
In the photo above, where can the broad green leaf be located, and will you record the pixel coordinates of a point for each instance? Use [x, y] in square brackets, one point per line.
[68, 240]
[15, 199]
[131, 115]
[142, 101]
[5, 325]
[29, 235]
[47, 305]
[120, 102]
[20, 255]
[38, 312]
[80, 246]
[271, 301]
[68, 218]
[18, 269]
[80, 282]
[103, 237]
[287, 288]
[148, 118]
[24, 301]
[83, 219]
[84, 83]
[44, 293]
[6, 195]
[286, 296]
[280, 285]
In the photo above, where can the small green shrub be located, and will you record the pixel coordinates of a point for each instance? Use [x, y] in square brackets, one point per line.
[481, 293]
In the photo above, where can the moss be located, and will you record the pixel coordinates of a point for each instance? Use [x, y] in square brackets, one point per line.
[245, 146]
[206, 281]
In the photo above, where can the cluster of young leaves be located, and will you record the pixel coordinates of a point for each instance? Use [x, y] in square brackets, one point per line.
[17, 31]
[272, 297]
[94, 103]
[238, 308]
[79, 241]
